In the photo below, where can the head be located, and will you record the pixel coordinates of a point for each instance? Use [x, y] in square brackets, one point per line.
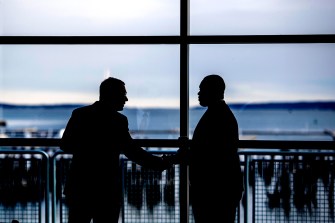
[113, 93]
[211, 90]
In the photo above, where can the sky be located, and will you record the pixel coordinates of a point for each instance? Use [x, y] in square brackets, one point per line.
[49, 74]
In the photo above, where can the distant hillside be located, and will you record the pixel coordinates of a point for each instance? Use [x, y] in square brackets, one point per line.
[330, 105]
[325, 105]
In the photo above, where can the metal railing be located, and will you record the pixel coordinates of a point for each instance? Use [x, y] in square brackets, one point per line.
[261, 160]
[24, 185]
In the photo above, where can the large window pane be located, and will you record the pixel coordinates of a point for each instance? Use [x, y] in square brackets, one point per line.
[267, 73]
[89, 17]
[71, 74]
[255, 17]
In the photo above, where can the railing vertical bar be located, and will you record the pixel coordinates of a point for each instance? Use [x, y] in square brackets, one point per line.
[246, 188]
[47, 183]
[53, 198]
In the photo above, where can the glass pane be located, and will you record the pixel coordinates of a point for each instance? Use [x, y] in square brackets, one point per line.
[71, 75]
[262, 17]
[89, 17]
[271, 73]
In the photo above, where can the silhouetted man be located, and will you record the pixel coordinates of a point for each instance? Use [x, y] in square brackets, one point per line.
[216, 180]
[97, 135]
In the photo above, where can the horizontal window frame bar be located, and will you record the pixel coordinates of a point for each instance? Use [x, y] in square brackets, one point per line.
[195, 39]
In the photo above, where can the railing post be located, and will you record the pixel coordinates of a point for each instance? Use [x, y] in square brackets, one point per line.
[184, 184]
[54, 189]
[184, 194]
[246, 188]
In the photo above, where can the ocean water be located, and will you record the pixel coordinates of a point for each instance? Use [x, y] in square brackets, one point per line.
[165, 123]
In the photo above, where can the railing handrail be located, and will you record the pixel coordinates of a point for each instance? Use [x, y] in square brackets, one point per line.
[175, 143]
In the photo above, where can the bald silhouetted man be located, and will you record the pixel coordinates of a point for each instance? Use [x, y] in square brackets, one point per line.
[216, 179]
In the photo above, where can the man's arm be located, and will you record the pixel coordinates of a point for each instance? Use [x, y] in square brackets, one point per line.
[143, 157]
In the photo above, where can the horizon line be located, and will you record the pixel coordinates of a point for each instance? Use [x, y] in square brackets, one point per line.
[171, 107]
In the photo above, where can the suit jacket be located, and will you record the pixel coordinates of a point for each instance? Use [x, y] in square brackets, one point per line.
[96, 136]
[214, 161]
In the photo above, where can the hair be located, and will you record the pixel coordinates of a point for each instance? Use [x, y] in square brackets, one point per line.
[215, 84]
[109, 87]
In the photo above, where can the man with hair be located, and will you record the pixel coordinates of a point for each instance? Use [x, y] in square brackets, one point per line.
[97, 135]
[216, 179]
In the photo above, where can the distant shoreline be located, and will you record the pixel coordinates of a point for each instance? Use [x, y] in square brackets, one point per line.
[324, 105]
[286, 105]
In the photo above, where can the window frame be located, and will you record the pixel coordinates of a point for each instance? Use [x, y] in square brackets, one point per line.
[184, 40]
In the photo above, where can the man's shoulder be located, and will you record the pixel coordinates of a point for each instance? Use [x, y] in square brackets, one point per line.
[95, 109]
[83, 108]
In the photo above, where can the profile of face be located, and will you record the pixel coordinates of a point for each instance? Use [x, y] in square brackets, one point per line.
[204, 94]
[119, 98]
[113, 93]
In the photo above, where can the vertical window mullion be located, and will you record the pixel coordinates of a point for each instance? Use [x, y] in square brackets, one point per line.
[184, 105]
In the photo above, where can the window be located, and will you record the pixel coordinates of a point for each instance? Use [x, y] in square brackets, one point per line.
[57, 52]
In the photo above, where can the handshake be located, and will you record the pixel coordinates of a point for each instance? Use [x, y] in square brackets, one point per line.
[180, 157]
